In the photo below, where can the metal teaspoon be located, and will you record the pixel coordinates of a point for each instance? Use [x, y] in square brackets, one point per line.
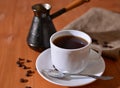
[57, 74]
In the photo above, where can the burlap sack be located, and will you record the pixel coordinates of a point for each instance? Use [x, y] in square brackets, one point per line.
[104, 28]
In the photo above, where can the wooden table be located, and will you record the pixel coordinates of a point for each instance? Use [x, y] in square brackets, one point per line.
[15, 21]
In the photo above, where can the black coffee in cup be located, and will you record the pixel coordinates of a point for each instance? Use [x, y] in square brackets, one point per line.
[70, 42]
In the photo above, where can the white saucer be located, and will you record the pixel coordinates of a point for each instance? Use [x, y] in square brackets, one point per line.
[95, 66]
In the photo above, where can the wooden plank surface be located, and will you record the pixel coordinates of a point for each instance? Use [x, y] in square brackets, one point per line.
[15, 21]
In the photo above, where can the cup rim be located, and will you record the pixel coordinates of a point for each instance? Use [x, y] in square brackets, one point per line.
[51, 41]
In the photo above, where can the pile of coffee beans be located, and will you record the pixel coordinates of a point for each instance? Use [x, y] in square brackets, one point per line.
[21, 62]
[104, 44]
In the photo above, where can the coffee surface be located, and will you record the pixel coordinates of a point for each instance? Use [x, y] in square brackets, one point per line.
[70, 42]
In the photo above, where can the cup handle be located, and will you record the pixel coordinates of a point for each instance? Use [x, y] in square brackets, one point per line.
[97, 50]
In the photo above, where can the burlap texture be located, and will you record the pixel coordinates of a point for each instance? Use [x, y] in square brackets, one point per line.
[104, 28]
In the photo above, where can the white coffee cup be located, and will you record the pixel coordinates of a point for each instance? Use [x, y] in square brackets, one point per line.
[70, 60]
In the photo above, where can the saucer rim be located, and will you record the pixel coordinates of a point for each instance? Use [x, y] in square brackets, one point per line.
[60, 84]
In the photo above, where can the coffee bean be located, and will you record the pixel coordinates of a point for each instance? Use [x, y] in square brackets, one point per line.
[28, 61]
[25, 67]
[19, 63]
[22, 80]
[21, 59]
[28, 87]
[29, 73]
[105, 42]
[95, 41]
[110, 46]
[105, 45]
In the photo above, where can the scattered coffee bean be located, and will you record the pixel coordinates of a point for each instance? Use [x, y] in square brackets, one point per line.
[95, 41]
[22, 80]
[29, 73]
[28, 61]
[28, 87]
[20, 64]
[25, 67]
[21, 59]
[105, 45]
[105, 42]
[110, 46]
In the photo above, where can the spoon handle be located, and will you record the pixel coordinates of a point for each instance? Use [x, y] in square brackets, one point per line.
[58, 74]
[96, 77]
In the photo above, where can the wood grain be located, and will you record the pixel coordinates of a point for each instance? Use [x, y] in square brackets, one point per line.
[15, 21]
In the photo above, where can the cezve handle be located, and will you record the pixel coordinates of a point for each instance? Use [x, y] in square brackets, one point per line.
[72, 5]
